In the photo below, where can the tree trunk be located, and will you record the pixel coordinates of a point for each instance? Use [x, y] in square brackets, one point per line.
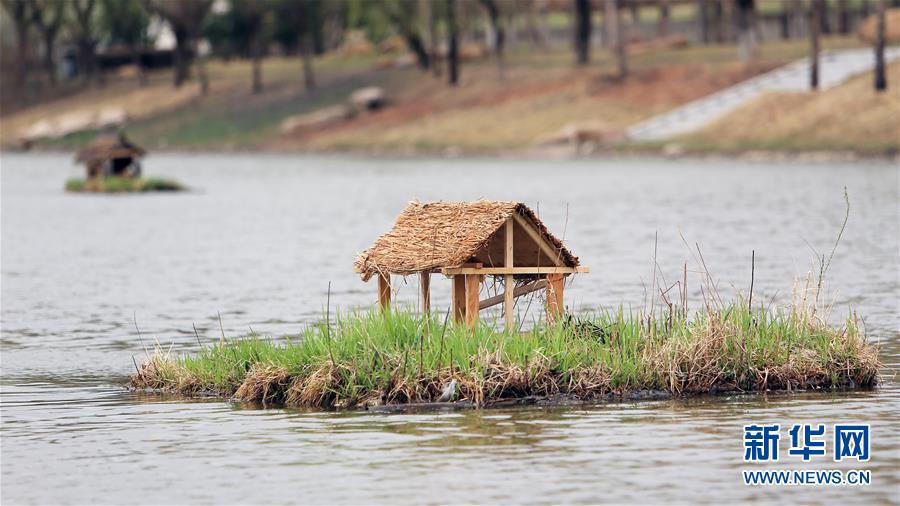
[815, 23]
[880, 77]
[843, 17]
[825, 18]
[257, 67]
[138, 66]
[49, 65]
[433, 38]
[582, 31]
[746, 23]
[662, 29]
[452, 44]
[784, 20]
[494, 17]
[21, 56]
[200, 61]
[718, 20]
[703, 20]
[616, 36]
[309, 78]
[417, 46]
[181, 55]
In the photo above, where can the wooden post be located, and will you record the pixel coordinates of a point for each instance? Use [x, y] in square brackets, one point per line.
[508, 280]
[473, 291]
[459, 298]
[384, 291]
[425, 284]
[555, 284]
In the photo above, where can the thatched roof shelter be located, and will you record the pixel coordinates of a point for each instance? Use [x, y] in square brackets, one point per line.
[468, 240]
[111, 155]
[439, 235]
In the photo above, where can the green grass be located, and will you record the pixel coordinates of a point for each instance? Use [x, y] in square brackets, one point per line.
[373, 358]
[123, 185]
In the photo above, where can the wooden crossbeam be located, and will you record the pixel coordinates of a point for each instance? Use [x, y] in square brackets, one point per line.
[552, 253]
[518, 292]
[508, 296]
[452, 271]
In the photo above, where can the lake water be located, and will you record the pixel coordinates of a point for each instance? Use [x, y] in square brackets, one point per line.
[260, 238]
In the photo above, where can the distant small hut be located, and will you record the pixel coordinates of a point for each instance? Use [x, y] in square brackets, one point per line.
[111, 155]
[467, 241]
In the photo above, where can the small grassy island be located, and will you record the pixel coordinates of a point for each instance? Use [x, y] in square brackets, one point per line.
[113, 165]
[397, 357]
[400, 357]
[123, 185]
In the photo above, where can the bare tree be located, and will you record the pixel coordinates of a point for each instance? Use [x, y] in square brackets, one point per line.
[718, 20]
[86, 38]
[252, 15]
[616, 35]
[404, 15]
[880, 74]
[582, 31]
[433, 38]
[703, 20]
[452, 43]
[21, 16]
[746, 23]
[815, 23]
[305, 12]
[784, 19]
[494, 16]
[125, 22]
[662, 28]
[48, 16]
[843, 17]
[185, 17]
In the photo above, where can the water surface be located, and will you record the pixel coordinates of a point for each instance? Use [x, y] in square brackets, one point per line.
[260, 237]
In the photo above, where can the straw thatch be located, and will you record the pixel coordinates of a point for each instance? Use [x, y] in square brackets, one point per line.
[105, 149]
[446, 234]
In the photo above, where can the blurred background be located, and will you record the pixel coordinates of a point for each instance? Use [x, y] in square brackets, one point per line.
[566, 105]
[452, 77]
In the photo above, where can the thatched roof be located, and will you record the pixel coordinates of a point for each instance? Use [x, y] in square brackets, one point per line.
[107, 147]
[449, 234]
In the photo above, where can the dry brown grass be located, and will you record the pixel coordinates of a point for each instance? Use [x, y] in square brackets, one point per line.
[432, 235]
[849, 117]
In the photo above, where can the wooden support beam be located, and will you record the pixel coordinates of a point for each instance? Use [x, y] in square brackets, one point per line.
[553, 255]
[555, 285]
[518, 292]
[508, 281]
[473, 289]
[452, 271]
[384, 291]
[458, 298]
[425, 285]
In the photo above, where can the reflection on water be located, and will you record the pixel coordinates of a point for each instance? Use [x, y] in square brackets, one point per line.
[261, 236]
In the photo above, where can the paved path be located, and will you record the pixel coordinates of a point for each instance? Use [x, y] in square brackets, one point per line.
[835, 67]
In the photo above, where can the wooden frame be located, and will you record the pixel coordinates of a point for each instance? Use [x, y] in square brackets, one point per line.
[453, 271]
[458, 298]
[473, 294]
[508, 281]
[467, 278]
[425, 286]
[384, 291]
[555, 286]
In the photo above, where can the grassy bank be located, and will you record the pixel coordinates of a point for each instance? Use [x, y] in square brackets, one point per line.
[851, 117]
[123, 185]
[367, 359]
[542, 93]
